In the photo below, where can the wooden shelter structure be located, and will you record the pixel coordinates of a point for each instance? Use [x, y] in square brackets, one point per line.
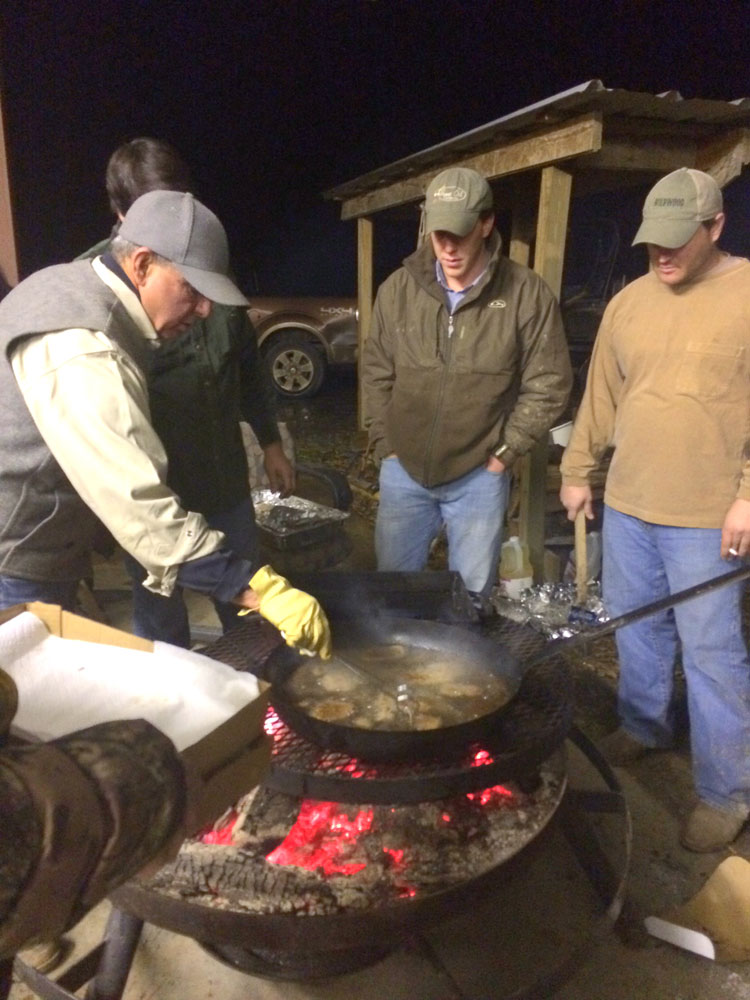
[584, 140]
[8, 254]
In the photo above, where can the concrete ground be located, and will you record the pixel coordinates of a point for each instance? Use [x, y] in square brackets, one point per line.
[525, 927]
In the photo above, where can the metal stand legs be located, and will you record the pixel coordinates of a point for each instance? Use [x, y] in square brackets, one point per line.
[106, 969]
[121, 939]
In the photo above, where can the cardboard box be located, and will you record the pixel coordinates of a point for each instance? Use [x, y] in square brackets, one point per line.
[230, 760]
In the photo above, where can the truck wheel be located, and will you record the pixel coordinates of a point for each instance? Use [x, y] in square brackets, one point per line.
[297, 367]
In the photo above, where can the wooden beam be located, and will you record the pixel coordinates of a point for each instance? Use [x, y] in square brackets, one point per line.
[553, 145]
[725, 156]
[8, 252]
[642, 154]
[551, 233]
[365, 298]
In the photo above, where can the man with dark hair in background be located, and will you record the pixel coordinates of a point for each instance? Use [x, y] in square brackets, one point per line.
[200, 387]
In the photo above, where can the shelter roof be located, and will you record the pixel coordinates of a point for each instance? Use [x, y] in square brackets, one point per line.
[592, 127]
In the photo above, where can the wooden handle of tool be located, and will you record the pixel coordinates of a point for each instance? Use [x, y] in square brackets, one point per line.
[581, 557]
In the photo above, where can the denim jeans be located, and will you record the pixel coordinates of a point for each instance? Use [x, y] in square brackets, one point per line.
[14, 590]
[166, 618]
[410, 516]
[643, 562]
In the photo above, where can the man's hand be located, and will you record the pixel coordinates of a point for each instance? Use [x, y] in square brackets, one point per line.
[575, 498]
[279, 469]
[735, 532]
[495, 465]
[297, 615]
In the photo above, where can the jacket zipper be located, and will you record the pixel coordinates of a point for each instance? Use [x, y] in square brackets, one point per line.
[438, 408]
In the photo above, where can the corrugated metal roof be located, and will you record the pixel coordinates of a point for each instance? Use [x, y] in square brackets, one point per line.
[702, 116]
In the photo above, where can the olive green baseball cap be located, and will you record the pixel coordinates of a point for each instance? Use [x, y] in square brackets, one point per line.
[454, 200]
[676, 206]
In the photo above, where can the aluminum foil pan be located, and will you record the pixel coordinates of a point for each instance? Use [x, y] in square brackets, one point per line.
[287, 515]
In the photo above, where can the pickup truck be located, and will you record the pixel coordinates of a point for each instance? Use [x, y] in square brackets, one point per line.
[299, 338]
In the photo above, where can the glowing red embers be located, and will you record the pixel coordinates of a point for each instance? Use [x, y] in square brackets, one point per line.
[353, 768]
[488, 796]
[272, 723]
[223, 835]
[323, 837]
[492, 796]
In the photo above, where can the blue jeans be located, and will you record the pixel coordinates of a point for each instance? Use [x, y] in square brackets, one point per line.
[166, 618]
[14, 590]
[643, 562]
[410, 516]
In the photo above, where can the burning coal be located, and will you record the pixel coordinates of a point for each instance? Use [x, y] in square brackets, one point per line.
[275, 853]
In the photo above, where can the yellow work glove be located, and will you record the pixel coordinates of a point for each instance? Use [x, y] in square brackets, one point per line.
[297, 615]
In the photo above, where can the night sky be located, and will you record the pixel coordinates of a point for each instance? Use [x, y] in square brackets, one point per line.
[272, 103]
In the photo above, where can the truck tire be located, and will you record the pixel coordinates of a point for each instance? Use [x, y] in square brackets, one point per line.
[296, 365]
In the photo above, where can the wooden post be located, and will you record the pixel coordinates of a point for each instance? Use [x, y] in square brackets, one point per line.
[523, 221]
[365, 296]
[552, 226]
[8, 253]
[551, 232]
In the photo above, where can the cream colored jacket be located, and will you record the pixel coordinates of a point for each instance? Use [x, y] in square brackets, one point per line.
[90, 404]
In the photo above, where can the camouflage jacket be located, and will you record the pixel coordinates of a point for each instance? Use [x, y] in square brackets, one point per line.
[79, 816]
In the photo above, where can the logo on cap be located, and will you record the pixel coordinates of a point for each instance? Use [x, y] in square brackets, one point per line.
[449, 192]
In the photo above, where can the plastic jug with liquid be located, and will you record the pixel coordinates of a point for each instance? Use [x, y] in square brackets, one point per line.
[515, 568]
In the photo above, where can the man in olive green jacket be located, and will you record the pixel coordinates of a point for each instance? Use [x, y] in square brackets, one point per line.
[466, 367]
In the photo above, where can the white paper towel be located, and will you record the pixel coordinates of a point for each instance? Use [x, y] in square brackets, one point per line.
[69, 684]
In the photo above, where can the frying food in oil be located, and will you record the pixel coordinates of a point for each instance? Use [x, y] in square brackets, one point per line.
[396, 687]
[331, 709]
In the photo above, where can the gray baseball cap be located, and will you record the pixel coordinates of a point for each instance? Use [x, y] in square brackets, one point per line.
[454, 200]
[181, 229]
[676, 206]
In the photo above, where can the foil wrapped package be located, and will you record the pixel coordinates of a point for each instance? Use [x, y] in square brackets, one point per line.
[288, 515]
[553, 609]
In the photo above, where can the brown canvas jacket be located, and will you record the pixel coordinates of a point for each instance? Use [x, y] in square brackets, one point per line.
[443, 403]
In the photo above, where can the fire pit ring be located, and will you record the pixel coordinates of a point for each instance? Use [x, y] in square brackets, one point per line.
[578, 810]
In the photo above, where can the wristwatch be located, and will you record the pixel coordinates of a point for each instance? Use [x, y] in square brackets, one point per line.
[504, 454]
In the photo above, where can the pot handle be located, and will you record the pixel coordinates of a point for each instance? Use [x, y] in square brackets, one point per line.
[279, 665]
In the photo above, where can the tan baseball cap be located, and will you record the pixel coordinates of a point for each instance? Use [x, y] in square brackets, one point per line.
[454, 200]
[676, 206]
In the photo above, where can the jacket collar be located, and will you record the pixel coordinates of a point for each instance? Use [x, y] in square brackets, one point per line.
[421, 266]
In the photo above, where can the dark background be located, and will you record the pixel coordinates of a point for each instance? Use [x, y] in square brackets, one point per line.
[273, 102]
